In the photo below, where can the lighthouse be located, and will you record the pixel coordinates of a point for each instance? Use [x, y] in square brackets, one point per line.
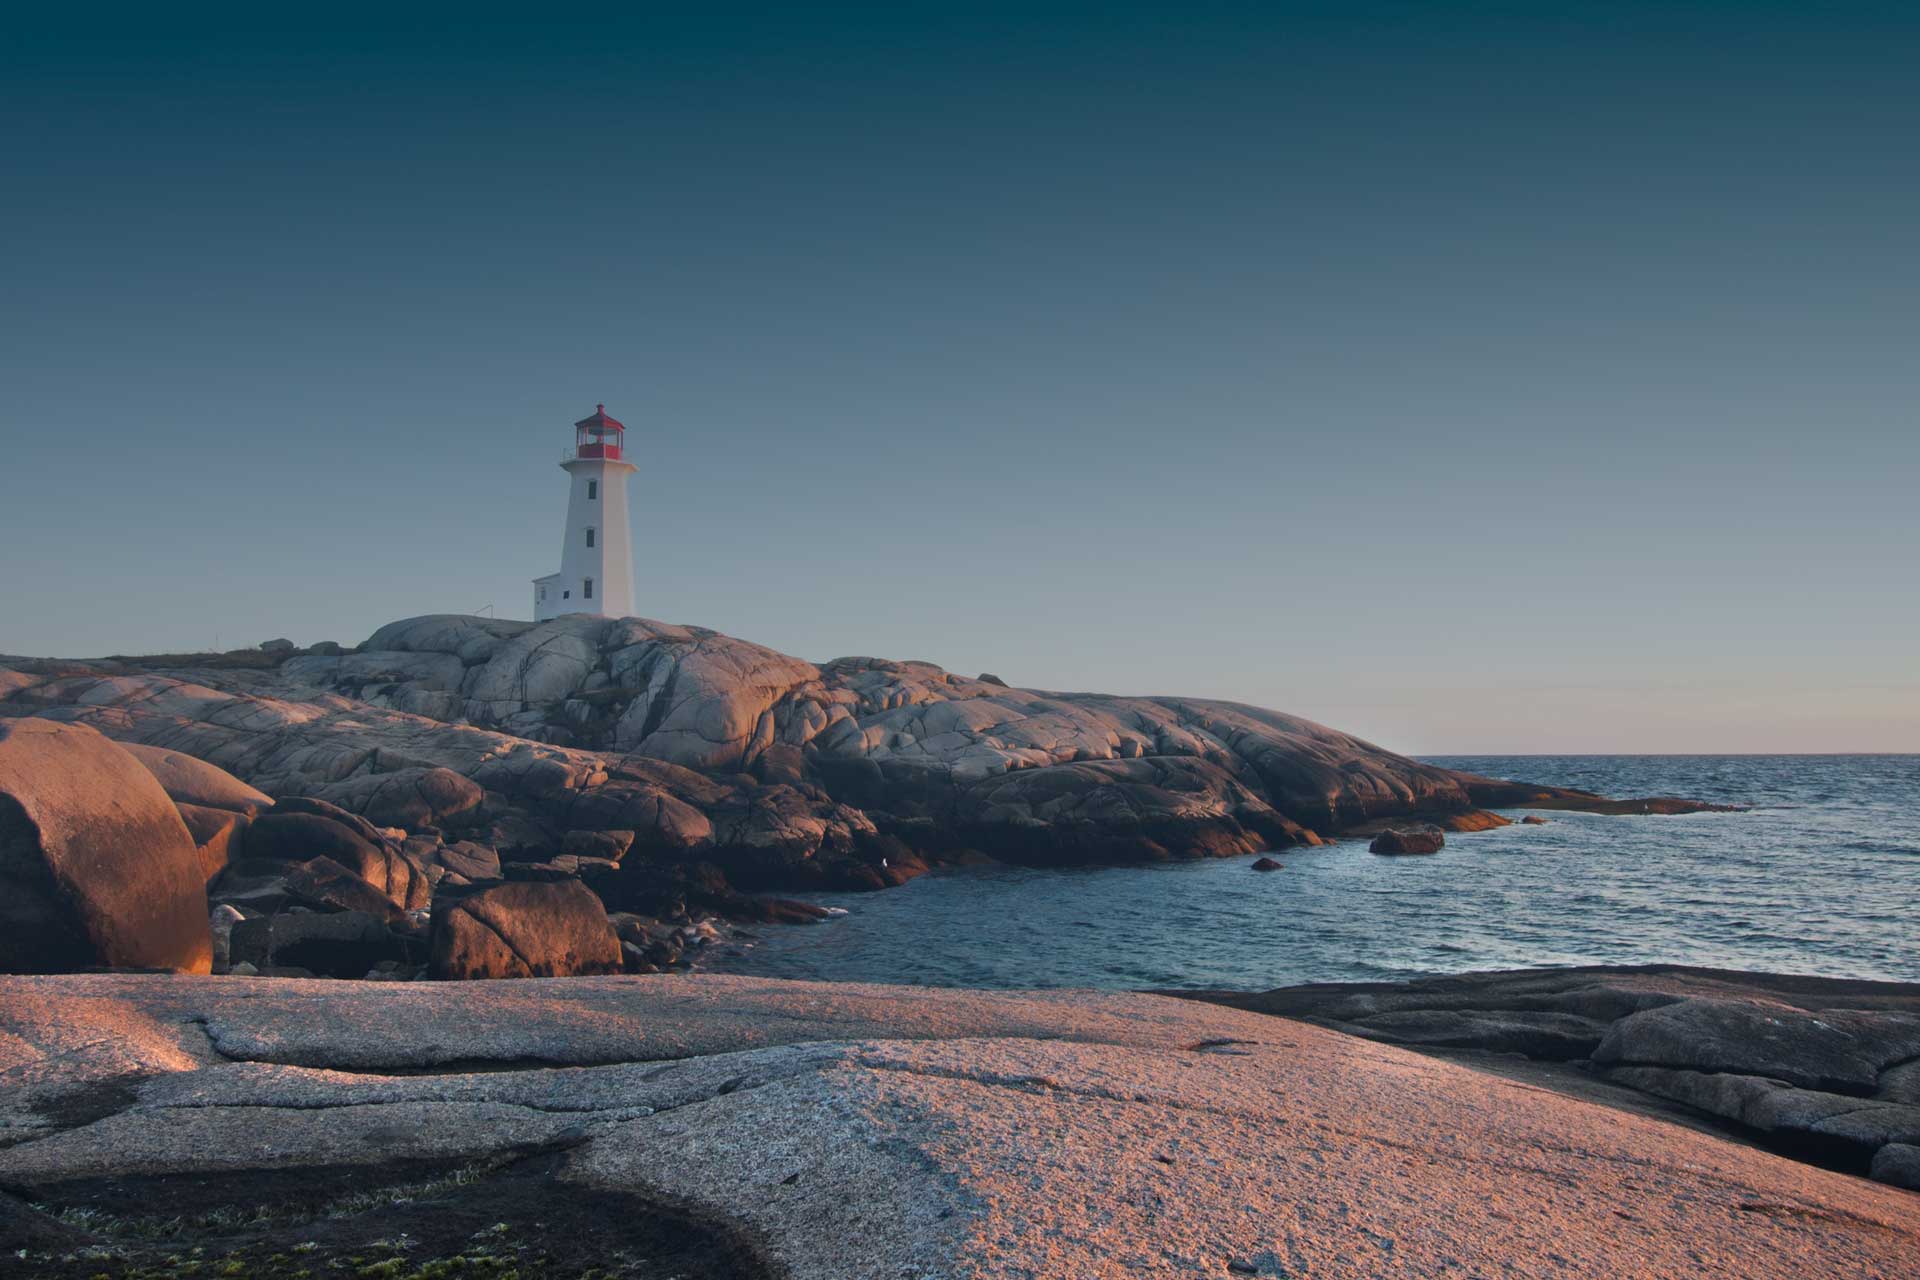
[596, 551]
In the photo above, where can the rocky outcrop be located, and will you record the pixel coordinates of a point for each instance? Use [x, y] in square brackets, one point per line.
[850, 1133]
[784, 772]
[672, 771]
[96, 866]
[1827, 1069]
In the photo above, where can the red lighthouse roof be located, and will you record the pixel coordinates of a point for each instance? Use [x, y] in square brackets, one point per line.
[600, 419]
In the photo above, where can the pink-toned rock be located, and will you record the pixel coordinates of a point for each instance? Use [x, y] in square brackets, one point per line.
[190, 780]
[523, 929]
[96, 866]
[219, 836]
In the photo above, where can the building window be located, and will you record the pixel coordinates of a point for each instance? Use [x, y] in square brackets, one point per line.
[589, 535]
[543, 593]
[588, 593]
[566, 595]
[593, 490]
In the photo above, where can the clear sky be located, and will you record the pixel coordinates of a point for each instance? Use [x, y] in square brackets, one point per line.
[1505, 377]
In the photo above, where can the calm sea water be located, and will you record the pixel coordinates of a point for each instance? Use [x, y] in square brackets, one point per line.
[1821, 875]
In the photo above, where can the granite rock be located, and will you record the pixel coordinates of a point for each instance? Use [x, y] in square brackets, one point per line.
[96, 866]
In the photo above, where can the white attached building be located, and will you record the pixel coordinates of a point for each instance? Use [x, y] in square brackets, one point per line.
[596, 553]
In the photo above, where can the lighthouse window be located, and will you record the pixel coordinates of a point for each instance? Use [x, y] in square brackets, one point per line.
[593, 491]
[589, 535]
[588, 592]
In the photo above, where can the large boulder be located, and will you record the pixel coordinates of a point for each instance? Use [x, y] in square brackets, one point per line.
[96, 867]
[523, 929]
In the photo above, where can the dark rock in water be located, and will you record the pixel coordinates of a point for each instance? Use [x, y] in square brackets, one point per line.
[522, 930]
[1409, 841]
[96, 867]
[776, 911]
[343, 944]
[1267, 864]
[1534, 820]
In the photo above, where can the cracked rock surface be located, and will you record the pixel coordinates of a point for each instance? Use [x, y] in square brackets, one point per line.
[866, 1131]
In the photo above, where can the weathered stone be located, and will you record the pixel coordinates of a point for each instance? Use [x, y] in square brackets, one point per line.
[409, 798]
[1411, 840]
[316, 807]
[523, 930]
[96, 867]
[869, 1133]
[1899, 1164]
[1834, 1049]
[219, 836]
[797, 767]
[470, 861]
[327, 885]
[190, 781]
[1266, 864]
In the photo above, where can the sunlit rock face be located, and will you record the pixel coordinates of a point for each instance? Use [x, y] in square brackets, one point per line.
[697, 698]
[701, 743]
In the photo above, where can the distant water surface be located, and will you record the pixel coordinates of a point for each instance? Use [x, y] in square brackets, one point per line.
[1821, 875]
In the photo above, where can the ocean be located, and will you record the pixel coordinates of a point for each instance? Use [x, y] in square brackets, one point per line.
[1819, 875]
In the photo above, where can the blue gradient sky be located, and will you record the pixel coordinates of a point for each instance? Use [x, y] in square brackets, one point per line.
[1473, 377]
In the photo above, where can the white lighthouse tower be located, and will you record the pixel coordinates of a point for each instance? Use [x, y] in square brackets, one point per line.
[596, 552]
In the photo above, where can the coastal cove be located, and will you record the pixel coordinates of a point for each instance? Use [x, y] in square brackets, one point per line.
[1820, 873]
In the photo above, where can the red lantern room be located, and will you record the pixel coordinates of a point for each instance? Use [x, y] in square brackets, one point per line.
[599, 436]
